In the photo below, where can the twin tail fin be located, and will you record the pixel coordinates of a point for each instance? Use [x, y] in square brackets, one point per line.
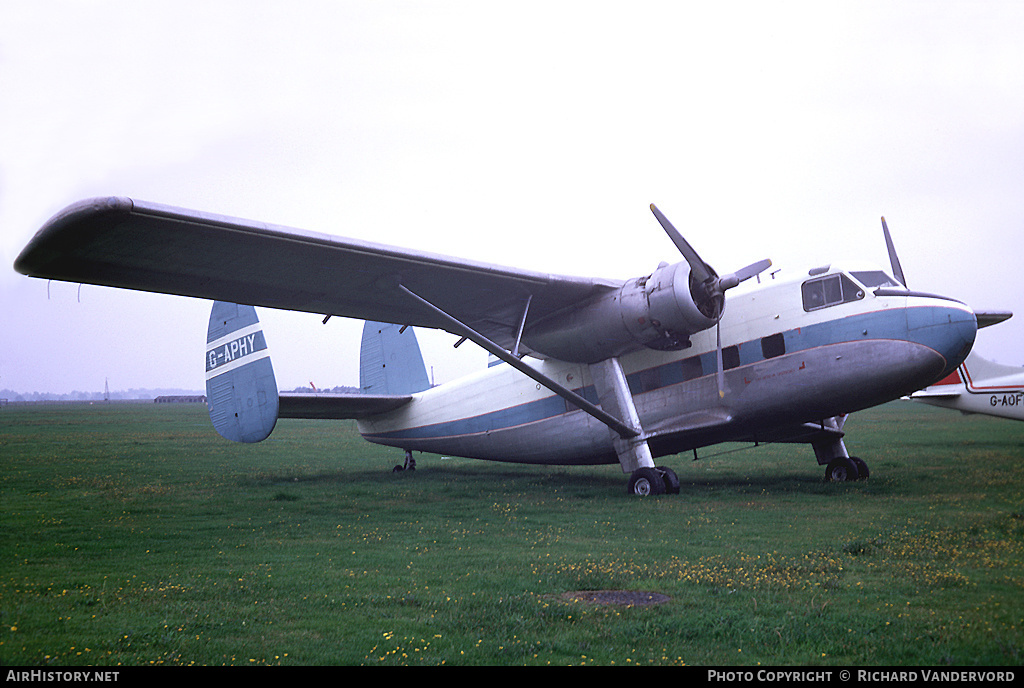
[241, 390]
[240, 387]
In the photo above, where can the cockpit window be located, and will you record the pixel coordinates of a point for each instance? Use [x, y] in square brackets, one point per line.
[829, 291]
[875, 278]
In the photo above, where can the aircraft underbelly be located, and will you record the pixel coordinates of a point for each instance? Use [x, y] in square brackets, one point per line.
[832, 380]
[572, 438]
[806, 387]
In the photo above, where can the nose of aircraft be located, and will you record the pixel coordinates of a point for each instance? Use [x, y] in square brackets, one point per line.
[949, 329]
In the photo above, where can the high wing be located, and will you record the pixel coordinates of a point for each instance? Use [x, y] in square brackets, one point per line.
[121, 242]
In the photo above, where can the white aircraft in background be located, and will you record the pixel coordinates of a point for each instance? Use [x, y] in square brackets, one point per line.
[979, 386]
[595, 370]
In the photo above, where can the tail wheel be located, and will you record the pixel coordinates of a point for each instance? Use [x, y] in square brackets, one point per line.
[645, 482]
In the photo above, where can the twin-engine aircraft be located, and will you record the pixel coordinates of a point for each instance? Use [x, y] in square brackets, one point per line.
[589, 371]
[979, 386]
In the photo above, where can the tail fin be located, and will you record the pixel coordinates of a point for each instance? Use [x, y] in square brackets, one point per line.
[981, 373]
[240, 387]
[390, 361]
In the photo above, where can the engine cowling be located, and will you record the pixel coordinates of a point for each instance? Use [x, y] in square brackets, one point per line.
[659, 311]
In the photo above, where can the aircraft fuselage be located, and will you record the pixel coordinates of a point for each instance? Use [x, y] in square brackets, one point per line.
[979, 386]
[795, 351]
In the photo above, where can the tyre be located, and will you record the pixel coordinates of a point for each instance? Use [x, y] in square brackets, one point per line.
[841, 470]
[645, 482]
[671, 480]
[862, 468]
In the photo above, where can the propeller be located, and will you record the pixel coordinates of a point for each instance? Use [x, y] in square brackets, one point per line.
[707, 288]
[896, 267]
[701, 270]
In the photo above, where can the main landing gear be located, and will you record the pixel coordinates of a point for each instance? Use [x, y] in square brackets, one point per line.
[653, 481]
[410, 463]
[844, 468]
[831, 453]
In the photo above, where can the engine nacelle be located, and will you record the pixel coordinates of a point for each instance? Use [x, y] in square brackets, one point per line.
[658, 312]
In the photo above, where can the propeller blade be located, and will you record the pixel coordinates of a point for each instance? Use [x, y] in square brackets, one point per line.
[896, 267]
[701, 270]
[721, 365]
[712, 286]
[730, 281]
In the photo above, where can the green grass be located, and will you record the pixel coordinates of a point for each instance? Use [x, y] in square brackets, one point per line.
[134, 535]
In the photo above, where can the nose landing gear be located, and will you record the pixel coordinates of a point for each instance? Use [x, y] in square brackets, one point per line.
[410, 463]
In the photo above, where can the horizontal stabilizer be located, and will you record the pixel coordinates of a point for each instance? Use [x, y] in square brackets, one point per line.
[943, 392]
[339, 406]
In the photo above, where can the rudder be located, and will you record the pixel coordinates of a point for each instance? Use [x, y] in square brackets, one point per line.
[390, 361]
[241, 390]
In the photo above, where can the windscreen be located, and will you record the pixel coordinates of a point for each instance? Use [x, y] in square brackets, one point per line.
[875, 278]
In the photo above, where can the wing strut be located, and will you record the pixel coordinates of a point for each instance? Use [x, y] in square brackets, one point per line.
[463, 330]
[522, 324]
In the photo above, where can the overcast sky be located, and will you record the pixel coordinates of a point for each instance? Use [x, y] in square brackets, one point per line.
[532, 134]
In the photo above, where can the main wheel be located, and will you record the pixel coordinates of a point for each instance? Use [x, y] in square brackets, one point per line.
[841, 470]
[671, 480]
[862, 468]
[646, 481]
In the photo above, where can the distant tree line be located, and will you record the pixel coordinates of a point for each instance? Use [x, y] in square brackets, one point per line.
[123, 395]
[332, 390]
[131, 394]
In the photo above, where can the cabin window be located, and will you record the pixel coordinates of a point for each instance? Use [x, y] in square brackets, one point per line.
[773, 346]
[829, 291]
[650, 379]
[730, 357]
[692, 368]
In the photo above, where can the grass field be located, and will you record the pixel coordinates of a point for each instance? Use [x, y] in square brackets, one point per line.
[133, 535]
